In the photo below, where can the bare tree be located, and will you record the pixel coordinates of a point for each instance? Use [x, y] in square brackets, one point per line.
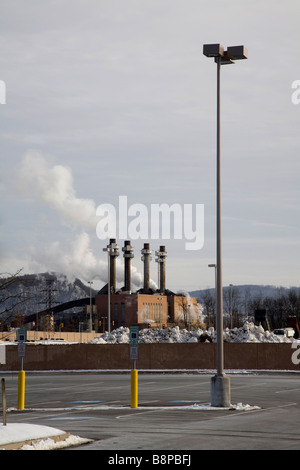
[232, 305]
[8, 298]
[209, 307]
[182, 312]
[11, 298]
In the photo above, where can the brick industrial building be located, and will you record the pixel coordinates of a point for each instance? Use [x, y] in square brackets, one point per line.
[146, 306]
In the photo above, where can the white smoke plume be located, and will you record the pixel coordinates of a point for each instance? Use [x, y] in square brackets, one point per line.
[78, 261]
[54, 187]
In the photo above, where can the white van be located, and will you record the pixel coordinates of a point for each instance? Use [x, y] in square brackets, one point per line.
[288, 332]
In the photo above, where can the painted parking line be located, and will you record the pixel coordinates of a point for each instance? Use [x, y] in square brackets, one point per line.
[84, 402]
[70, 418]
[187, 401]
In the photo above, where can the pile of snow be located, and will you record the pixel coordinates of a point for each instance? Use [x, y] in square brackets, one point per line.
[51, 444]
[241, 407]
[42, 437]
[120, 335]
[248, 333]
[151, 335]
[251, 333]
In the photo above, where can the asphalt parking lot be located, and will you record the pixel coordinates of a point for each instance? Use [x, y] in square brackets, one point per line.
[173, 411]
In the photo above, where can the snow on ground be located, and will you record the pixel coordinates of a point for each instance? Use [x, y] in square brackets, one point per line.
[50, 444]
[248, 333]
[45, 437]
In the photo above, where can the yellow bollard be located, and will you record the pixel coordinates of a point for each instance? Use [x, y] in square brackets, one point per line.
[21, 390]
[134, 388]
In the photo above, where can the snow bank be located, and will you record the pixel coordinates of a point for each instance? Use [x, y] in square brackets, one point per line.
[23, 432]
[251, 333]
[50, 444]
[248, 333]
[45, 437]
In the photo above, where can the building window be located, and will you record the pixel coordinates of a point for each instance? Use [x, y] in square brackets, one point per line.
[122, 314]
[116, 315]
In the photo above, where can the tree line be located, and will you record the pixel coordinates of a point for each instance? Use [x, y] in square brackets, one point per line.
[240, 305]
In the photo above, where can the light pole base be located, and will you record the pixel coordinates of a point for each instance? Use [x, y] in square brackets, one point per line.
[220, 391]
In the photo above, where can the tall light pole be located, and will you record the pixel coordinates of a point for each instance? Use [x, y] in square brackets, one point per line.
[231, 286]
[91, 306]
[220, 383]
[215, 266]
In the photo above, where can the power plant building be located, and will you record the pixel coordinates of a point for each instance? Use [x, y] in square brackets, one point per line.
[146, 307]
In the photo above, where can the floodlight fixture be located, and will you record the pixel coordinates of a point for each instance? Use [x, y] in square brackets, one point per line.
[213, 50]
[237, 52]
[225, 56]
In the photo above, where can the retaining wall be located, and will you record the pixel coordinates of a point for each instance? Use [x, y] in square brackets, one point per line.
[266, 356]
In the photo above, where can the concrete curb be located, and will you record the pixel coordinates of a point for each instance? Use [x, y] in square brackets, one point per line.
[19, 445]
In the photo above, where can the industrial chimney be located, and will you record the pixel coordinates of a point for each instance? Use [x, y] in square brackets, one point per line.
[146, 258]
[128, 255]
[112, 249]
[161, 259]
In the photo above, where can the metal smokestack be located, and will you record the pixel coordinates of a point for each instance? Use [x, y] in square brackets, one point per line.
[146, 258]
[161, 259]
[128, 255]
[113, 253]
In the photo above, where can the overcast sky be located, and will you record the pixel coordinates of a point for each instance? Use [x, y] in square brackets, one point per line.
[110, 98]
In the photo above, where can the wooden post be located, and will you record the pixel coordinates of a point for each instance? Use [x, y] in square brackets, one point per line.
[3, 401]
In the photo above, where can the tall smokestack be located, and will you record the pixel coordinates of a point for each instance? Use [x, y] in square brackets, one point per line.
[113, 253]
[161, 259]
[128, 255]
[146, 258]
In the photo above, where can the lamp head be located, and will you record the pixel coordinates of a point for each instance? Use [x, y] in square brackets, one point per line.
[213, 50]
[225, 57]
[237, 52]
